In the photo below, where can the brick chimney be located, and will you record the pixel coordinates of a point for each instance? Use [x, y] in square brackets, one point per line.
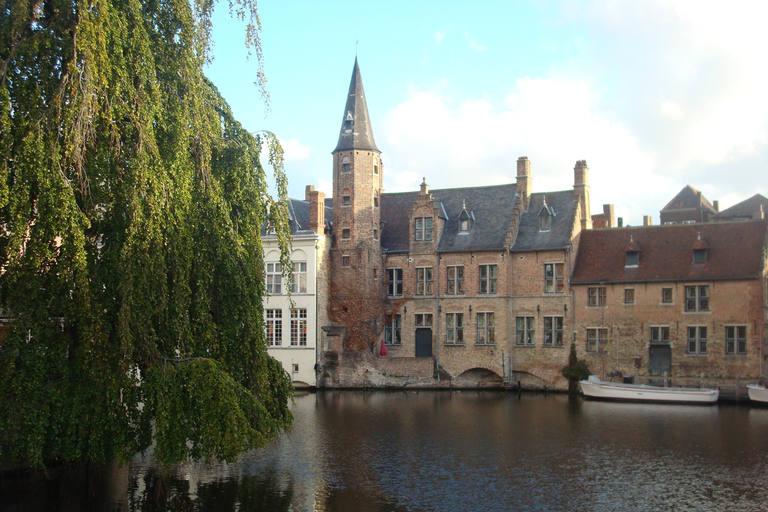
[608, 216]
[524, 179]
[581, 192]
[316, 209]
[647, 220]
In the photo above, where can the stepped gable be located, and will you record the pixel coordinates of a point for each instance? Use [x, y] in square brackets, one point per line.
[735, 250]
[492, 209]
[530, 236]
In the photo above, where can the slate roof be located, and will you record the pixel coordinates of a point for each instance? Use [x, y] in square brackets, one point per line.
[298, 217]
[356, 131]
[744, 209]
[491, 207]
[531, 238]
[688, 198]
[735, 251]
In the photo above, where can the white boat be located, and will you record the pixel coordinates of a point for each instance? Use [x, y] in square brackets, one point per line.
[596, 388]
[757, 393]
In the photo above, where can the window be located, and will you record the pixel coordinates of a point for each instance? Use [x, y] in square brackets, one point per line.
[553, 331]
[345, 261]
[375, 273]
[298, 327]
[488, 278]
[633, 259]
[699, 255]
[596, 338]
[346, 200]
[299, 277]
[485, 329]
[464, 226]
[697, 298]
[545, 222]
[375, 234]
[424, 281]
[345, 168]
[554, 281]
[392, 330]
[736, 339]
[375, 201]
[697, 340]
[423, 319]
[666, 295]
[629, 296]
[454, 328]
[375, 168]
[345, 233]
[423, 227]
[274, 279]
[295, 368]
[660, 335]
[525, 330]
[274, 327]
[394, 282]
[455, 280]
[596, 296]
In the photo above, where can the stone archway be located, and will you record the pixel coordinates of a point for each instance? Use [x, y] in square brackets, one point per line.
[478, 378]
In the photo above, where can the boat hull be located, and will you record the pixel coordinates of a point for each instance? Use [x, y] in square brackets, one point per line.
[597, 389]
[758, 393]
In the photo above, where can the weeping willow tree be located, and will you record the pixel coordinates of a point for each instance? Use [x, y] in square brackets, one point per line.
[131, 259]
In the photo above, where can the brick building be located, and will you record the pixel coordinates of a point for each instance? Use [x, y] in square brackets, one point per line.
[473, 281]
[677, 300]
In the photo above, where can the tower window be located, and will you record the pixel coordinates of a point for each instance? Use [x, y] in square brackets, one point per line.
[345, 233]
[345, 167]
[346, 200]
[375, 168]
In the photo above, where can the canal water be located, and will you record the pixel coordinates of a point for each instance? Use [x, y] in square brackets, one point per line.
[443, 451]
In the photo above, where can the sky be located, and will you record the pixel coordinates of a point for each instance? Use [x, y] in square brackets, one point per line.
[654, 95]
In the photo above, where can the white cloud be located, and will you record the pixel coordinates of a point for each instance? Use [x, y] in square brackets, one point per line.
[553, 123]
[293, 150]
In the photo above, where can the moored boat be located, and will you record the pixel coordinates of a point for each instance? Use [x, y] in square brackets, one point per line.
[598, 389]
[757, 393]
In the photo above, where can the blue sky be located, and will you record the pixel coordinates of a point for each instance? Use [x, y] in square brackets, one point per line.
[653, 95]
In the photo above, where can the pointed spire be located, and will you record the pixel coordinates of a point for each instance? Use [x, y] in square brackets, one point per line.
[356, 132]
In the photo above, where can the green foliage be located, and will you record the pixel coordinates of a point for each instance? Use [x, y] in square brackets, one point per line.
[130, 203]
[577, 369]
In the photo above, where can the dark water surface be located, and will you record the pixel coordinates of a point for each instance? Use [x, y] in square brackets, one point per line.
[454, 451]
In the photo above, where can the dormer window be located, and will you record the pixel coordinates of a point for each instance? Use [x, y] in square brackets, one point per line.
[545, 217]
[465, 219]
[700, 248]
[632, 251]
[348, 121]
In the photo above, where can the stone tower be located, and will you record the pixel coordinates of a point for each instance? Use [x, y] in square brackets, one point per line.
[356, 257]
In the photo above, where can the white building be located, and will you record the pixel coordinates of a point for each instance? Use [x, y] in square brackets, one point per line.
[294, 308]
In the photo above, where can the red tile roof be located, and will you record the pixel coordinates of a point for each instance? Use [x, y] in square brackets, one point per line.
[735, 250]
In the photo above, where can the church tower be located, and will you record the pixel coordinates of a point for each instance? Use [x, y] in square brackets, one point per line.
[356, 257]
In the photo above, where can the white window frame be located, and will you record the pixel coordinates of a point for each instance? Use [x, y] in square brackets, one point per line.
[274, 278]
[299, 277]
[274, 327]
[298, 327]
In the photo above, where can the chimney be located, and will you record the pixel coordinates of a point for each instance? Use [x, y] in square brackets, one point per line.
[524, 179]
[307, 190]
[647, 220]
[608, 215]
[316, 210]
[621, 222]
[716, 205]
[581, 192]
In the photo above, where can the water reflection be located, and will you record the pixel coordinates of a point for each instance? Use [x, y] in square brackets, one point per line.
[464, 451]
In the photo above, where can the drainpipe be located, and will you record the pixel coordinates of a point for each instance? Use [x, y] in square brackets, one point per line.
[437, 317]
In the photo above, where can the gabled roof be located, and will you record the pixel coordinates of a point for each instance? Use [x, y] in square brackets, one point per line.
[744, 209]
[735, 251]
[492, 208]
[298, 217]
[686, 199]
[356, 131]
[531, 238]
